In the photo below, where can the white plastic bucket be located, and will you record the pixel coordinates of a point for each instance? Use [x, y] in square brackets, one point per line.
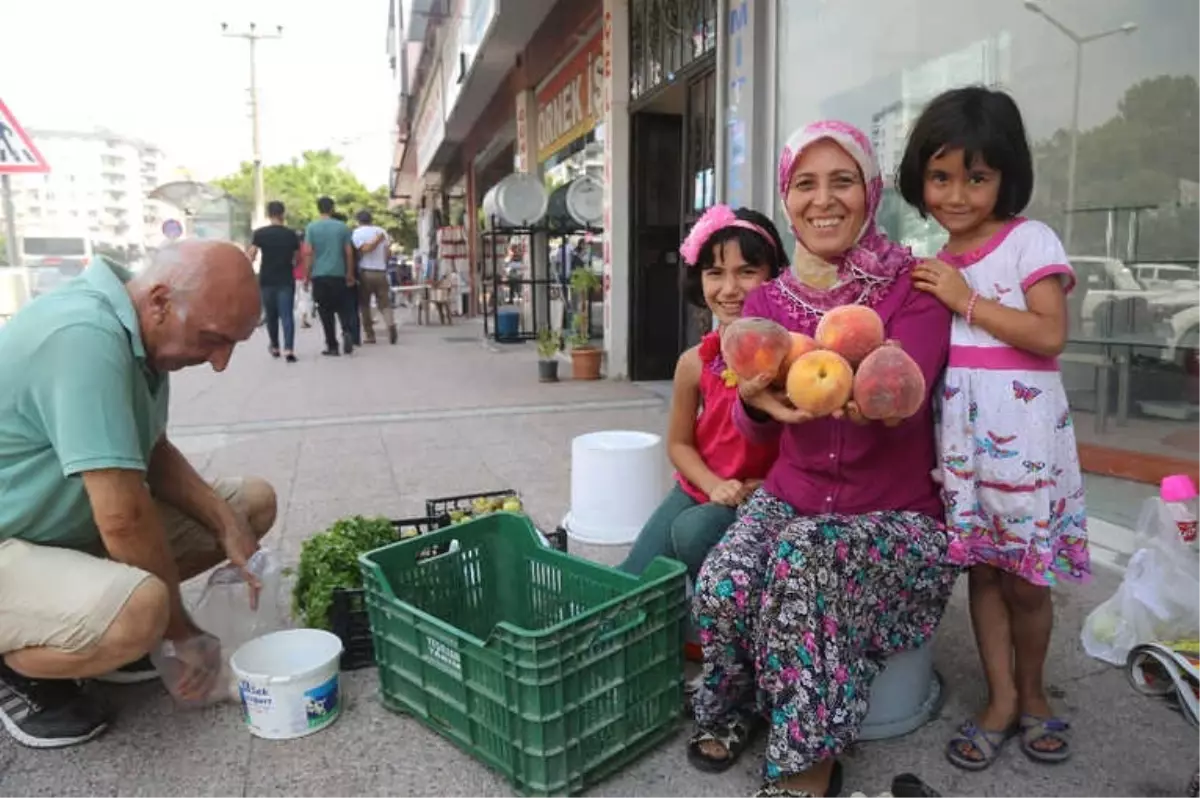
[518, 200]
[288, 682]
[618, 479]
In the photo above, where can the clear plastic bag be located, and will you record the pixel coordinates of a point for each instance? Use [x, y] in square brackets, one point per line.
[224, 609]
[196, 671]
[1159, 597]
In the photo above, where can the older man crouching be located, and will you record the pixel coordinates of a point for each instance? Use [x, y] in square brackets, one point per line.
[101, 517]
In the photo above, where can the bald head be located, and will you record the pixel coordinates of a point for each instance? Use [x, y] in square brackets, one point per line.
[195, 301]
[187, 265]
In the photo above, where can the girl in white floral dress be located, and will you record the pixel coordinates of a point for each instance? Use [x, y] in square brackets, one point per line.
[1008, 461]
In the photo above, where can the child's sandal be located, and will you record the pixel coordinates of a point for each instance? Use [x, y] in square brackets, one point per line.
[986, 744]
[1036, 730]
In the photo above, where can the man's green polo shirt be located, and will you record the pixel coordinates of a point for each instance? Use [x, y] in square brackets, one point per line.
[76, 395]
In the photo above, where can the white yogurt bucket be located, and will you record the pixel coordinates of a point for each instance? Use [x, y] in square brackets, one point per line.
[288, 682]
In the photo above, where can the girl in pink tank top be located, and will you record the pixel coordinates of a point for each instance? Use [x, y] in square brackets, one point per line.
[728, 253]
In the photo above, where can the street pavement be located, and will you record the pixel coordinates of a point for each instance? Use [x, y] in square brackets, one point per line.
[441, 413]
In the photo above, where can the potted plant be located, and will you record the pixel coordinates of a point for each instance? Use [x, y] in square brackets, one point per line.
[548, 343]
[585, 358]
[583, 282]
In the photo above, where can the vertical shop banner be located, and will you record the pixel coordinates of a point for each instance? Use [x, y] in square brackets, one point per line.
[739, 99]
[522, 159]
[607, 93]
[572, 102]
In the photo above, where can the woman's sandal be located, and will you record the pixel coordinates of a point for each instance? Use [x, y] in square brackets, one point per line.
[986, 743]
[772, 789]
[1035, 730]
[735, 736]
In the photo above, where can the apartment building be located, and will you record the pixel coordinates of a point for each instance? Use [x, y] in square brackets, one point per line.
[97, 187]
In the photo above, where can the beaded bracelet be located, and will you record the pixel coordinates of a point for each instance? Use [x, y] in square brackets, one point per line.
[970, 314]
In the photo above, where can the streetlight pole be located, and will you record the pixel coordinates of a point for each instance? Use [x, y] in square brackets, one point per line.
[1079, 41]
[252, 36]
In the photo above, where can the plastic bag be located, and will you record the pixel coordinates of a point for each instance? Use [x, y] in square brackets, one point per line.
[196, 671]
[1159, 598]
[754, 347]
[223, 609]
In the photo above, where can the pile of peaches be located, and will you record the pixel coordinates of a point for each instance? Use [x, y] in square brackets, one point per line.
[847, 360]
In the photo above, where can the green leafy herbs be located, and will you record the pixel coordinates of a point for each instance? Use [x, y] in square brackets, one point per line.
[329, 560]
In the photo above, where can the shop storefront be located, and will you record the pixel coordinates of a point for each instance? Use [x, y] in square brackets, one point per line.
[1108, 90]
[569, 134]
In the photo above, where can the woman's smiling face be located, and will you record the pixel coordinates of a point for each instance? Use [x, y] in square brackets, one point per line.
[826, 199]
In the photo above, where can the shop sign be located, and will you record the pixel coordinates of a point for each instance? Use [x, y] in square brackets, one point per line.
[572, 103]
[430, 127]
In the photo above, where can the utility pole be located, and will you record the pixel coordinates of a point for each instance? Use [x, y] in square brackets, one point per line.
[252, 36]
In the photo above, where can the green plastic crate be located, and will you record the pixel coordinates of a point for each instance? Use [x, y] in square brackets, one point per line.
[554, 670]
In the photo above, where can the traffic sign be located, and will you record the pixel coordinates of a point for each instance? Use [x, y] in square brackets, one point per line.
[172, 229]
[17, 153]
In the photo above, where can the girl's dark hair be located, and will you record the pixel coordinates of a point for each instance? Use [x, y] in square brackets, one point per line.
[982, 123]
[755, 250]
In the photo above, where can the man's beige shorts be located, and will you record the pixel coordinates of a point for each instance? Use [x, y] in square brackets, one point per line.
[66, 599]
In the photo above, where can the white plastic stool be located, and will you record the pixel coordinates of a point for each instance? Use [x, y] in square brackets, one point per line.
[905, 696]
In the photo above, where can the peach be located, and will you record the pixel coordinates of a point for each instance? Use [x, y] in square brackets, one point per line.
[820, 382]
[752, 347]
[889, 384]
[853, 331]
[801, 345]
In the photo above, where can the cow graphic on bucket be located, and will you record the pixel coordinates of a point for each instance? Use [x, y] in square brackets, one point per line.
[321, 703]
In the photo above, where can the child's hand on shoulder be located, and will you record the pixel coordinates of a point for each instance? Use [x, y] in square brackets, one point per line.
[943, 281]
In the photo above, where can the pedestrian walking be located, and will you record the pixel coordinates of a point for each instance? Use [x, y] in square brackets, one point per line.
[329, 265]
[280, 250]
[371, 243]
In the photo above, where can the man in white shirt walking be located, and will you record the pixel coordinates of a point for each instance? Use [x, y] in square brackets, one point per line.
[372, 244]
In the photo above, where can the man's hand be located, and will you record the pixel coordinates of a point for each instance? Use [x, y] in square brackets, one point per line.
[726, 493]
[240, 544]
[191, 667]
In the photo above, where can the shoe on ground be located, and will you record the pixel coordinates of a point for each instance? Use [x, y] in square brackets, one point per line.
[330, 352]
[136, 672]
[48, 713]
[392, 334]
[347, 347]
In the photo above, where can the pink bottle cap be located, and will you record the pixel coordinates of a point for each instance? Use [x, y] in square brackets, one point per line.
[1177, 488]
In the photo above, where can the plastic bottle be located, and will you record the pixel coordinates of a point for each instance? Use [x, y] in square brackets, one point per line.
[1179, 501]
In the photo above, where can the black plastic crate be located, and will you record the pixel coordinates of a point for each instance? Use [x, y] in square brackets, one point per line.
[348, 611]
[440, 509]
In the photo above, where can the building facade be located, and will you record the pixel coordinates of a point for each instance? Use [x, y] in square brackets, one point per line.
[97, 187]
[698, 96]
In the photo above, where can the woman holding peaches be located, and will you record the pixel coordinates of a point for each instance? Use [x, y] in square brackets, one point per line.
[839, 560]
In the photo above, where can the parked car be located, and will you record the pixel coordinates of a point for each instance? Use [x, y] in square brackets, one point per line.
[1167, 276]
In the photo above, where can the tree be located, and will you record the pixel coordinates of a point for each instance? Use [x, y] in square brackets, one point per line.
[1143, 155]
[319, 173]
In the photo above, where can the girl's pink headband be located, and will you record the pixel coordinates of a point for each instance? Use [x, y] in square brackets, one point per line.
[714, 220]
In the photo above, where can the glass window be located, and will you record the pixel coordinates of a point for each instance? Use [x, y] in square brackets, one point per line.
[1108, 90]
